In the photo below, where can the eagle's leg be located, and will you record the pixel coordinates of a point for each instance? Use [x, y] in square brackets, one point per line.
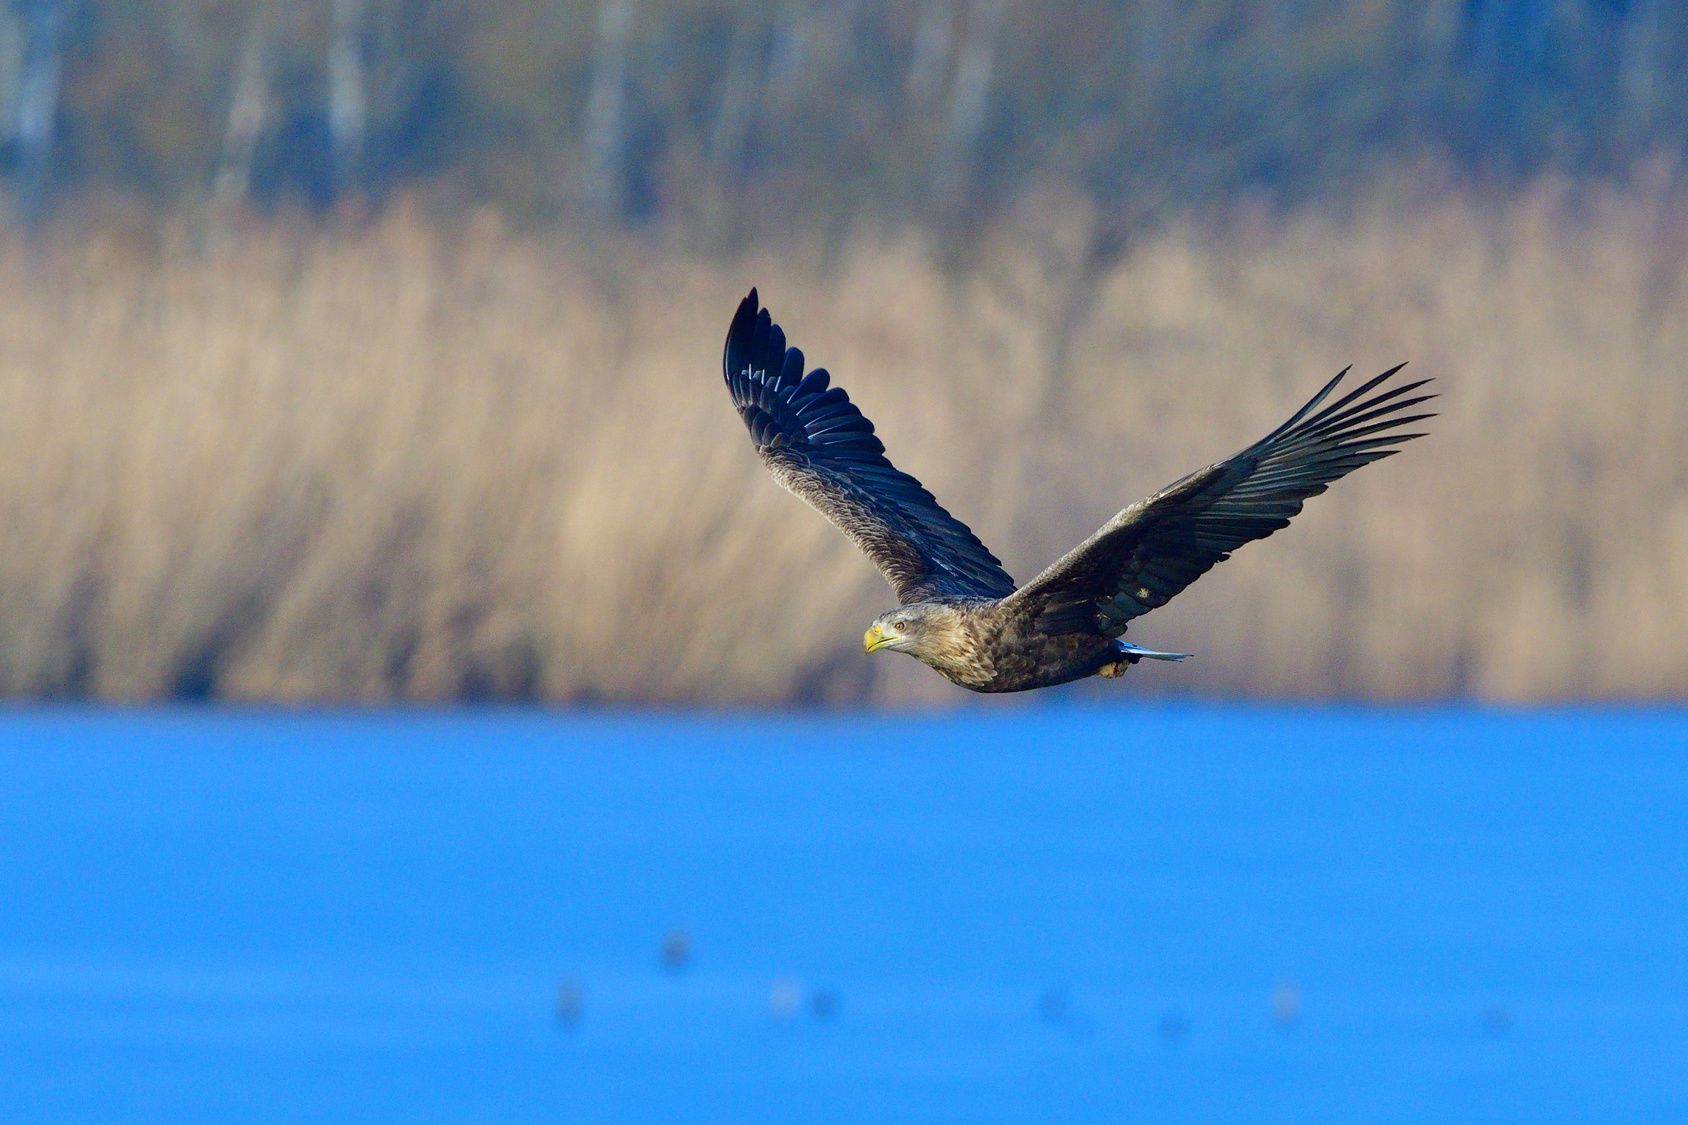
[1115, 670]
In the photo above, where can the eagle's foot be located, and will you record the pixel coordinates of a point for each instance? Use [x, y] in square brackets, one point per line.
[1115, 670]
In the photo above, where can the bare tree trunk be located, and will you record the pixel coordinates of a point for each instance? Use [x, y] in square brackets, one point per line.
[248, 107]
[1439, 25]
[737, 112]
[969, 91]
[606, 111]
[38, 103]
[1148, 58]
[734, 118]
[812, 54]
[1639, 65]
[13, 39]
[347, 113]
[789, 55]
[934, 39]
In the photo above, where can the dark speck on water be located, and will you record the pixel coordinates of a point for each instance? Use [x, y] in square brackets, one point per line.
[823, 1005]
[1497, 1021]
[676, 950]
[568, 1004]
[215, 916]
[1286, 1004]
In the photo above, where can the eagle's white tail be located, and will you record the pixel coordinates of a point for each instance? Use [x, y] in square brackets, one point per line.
[1133, 653]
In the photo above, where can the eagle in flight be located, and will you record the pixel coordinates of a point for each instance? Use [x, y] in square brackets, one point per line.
[960, 612]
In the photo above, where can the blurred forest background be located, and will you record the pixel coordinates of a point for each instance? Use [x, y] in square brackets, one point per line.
[368, 349]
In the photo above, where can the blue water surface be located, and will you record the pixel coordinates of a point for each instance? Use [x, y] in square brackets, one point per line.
[1037, 914]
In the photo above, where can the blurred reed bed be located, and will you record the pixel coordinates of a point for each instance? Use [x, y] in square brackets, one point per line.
[442, 460]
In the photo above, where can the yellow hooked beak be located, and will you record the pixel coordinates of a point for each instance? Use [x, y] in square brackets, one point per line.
[876, 638]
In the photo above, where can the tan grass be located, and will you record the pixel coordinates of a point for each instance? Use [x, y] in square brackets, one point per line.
[424, 462]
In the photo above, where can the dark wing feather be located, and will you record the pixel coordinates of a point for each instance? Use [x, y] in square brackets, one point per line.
[1147, 554]
[818, 445]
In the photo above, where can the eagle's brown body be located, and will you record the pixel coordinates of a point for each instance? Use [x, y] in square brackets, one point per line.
[961, 613]
[984, 645]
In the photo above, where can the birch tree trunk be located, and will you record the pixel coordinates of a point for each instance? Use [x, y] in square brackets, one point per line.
[347, 112]
[969, 92]
[248, 108]
[934, 39]
[13, 38]
[739, 94]
[1639, 65]
[606, 110]
[1439, 26]
[729, 136]
[38, 102]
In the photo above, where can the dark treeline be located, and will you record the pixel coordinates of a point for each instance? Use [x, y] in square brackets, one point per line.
[724, 118]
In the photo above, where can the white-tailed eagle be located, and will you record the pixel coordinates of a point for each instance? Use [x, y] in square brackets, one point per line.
[961, 613]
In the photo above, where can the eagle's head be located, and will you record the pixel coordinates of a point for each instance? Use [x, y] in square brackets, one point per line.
[913, 629]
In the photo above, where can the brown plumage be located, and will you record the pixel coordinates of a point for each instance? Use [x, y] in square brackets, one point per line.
[961, 613]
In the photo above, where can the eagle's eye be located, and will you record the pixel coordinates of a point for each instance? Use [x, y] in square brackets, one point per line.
[898, 626]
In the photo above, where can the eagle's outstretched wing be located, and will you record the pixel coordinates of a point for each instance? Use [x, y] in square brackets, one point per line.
[1145, 555]
[818, 445]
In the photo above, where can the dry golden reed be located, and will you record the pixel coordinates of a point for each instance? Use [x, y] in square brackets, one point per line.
[423, 461]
